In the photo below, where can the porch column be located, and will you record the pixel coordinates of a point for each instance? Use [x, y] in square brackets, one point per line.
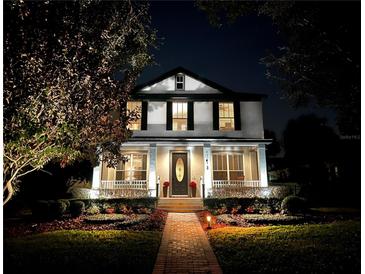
[96, 182]
[152, 171]
[262, 165]
[207, 151]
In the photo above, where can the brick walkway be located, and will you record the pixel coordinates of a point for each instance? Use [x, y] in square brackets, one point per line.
[185, 247]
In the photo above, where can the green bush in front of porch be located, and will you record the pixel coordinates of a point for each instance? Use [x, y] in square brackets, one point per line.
[243, 205]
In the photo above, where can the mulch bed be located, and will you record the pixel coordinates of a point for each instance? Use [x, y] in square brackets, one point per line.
[26, 226]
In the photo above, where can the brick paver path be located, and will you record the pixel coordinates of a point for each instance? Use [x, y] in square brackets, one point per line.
[185, 247]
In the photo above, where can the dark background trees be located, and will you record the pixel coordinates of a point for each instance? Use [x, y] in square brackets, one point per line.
[319, 60]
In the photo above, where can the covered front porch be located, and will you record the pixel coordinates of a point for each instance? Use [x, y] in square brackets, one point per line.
[214, 169]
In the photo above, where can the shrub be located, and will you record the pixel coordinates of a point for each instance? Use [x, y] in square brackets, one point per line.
[249, 205]
[77, 208]
[105, 218]
[125, 209]
[57, 209]
[293, 205]
[143, 210]
[93, 209]
[67, 203]
[40, 209]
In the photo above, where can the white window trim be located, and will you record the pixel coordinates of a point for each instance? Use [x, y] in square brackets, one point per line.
[183, 81]
[131, 166]
[228, 170]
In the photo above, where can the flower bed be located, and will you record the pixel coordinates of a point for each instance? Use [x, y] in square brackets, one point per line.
[260, 219]
[105, 218]
[135, 222]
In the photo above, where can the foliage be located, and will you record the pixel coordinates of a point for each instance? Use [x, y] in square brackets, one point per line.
[309, 144]
[148, 202]
[132, 220]
[82, 251]
[105, 218]
[93, 209]
[77, 208]
[57, 209]
[192, 184]
[67, 203]
[320, 60]
[314, 248]
[240, 205]
[294, 204]
[62, 99]
[246, 220]
[253, 192]
[156, 221]
[274, 147]
[40, 209]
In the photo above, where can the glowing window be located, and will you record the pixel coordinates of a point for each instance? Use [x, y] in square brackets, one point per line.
[228, 166]
[179, 116]
[226, 116]
[180, 82]
[137, 107]
[133, 169]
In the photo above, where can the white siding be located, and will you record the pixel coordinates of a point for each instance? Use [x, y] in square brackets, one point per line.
[168, 86]
[251, 119]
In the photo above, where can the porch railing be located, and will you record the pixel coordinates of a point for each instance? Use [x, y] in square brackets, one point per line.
[235, 183]
[123, 188]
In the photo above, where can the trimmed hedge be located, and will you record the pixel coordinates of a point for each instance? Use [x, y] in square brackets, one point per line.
[77, 208]
[294, 205]
[243, 205]
[57, 209]
[40, 209]
[116, 203]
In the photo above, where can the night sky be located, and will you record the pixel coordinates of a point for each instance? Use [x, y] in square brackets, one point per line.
[229, 56]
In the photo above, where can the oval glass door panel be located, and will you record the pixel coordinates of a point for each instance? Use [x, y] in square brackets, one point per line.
[179, 169]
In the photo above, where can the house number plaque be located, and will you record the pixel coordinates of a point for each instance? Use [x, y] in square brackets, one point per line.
[179, 169]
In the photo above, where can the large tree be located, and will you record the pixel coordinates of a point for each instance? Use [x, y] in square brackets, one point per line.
[311, 149]
[61, 99]
[319, 60]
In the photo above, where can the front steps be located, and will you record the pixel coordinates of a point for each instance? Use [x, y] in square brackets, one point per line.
[180, 204]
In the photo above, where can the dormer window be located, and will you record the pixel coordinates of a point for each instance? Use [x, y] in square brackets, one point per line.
[180, 82]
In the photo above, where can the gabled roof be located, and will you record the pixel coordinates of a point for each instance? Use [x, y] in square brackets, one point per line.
[226, 92]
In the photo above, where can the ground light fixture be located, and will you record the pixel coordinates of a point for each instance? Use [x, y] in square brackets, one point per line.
[209, 220]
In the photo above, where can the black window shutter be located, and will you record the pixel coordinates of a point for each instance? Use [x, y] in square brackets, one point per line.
[237, 115]
[169, 116]
[190, 115]
[215, 116]
[144, 114]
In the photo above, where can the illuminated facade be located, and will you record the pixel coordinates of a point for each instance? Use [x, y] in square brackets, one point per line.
[190, 129]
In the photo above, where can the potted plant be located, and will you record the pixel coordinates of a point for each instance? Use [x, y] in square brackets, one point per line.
[193, 185]
[166, 185]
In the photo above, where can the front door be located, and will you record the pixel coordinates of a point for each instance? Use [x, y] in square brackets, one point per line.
[179, 173]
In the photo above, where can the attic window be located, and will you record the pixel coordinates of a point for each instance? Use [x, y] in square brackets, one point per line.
[180, 82]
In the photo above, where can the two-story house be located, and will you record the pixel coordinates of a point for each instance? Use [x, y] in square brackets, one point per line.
[190, 129]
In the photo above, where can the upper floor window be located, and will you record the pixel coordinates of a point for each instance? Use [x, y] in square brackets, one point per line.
[226, 116]
[180, 82]
[179, 116]
[135, 106]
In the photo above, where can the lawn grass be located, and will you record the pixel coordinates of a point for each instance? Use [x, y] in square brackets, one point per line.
[76, 251]
[313, 248]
